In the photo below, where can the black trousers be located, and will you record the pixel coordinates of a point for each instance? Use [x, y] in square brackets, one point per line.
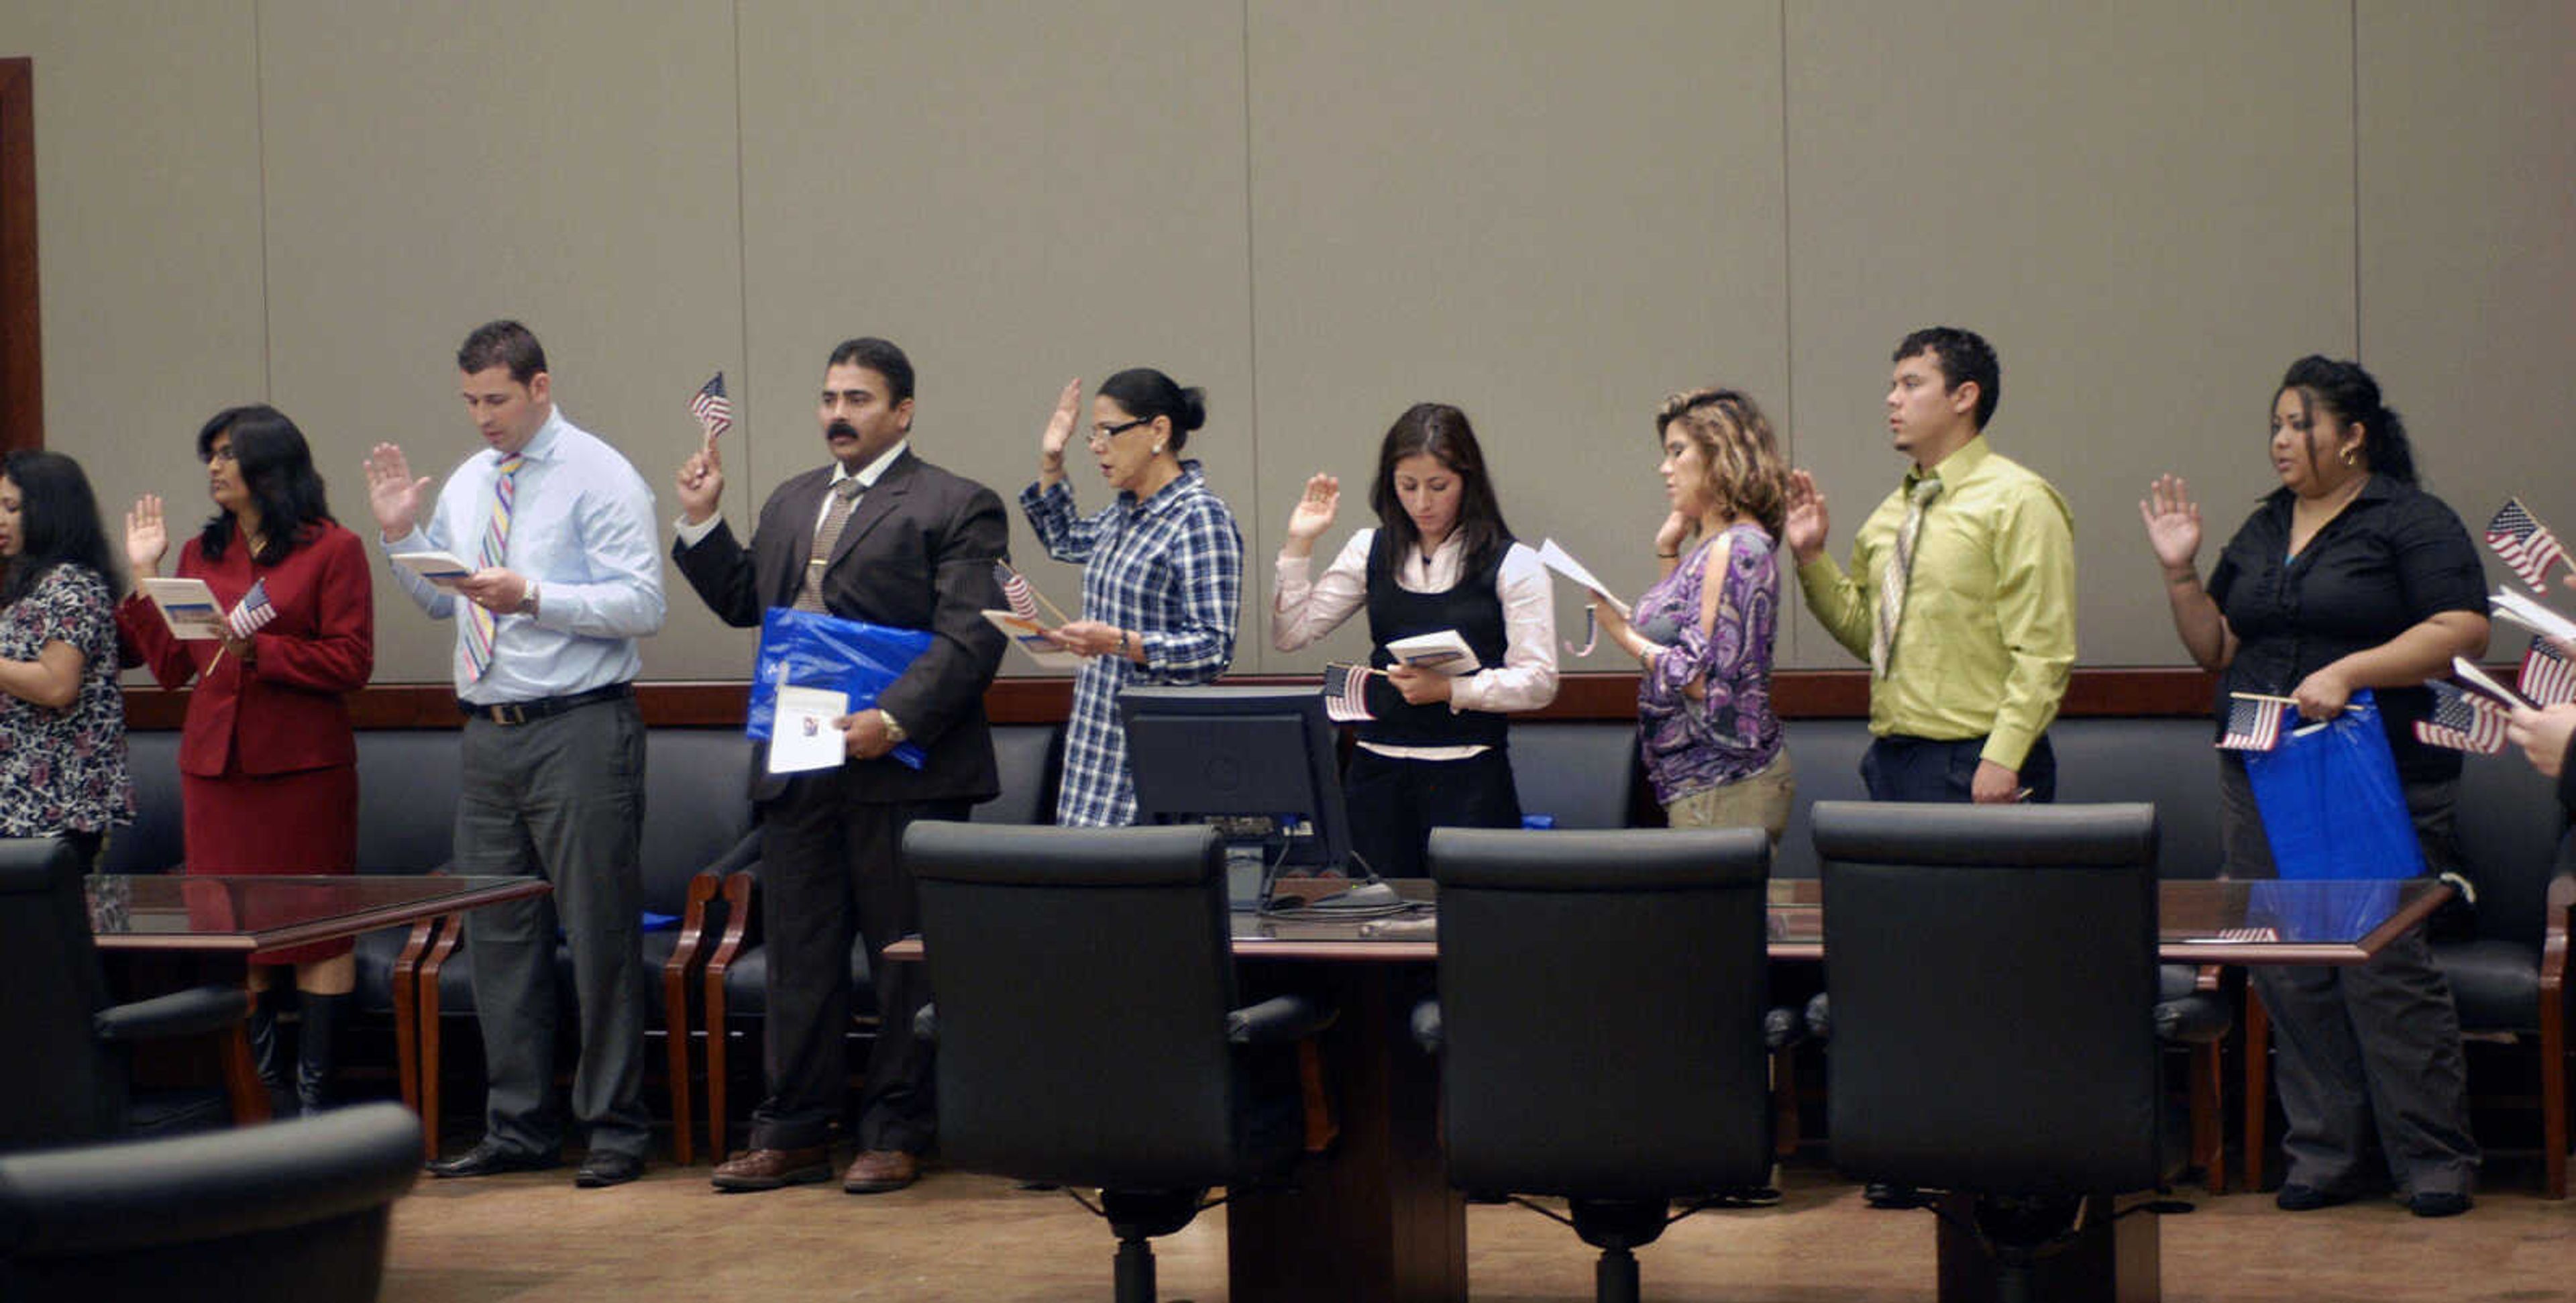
[1898, 768]
[831, 873]
[1395, 803]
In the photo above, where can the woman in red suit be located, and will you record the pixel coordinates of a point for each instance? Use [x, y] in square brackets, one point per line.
[267, 764]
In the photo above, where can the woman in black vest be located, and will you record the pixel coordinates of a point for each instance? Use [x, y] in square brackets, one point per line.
[1440, 560]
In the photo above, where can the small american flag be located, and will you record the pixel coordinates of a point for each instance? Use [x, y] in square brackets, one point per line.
[2547, 678]
[713, 410]
[1022, 599]
[2462, 721]
[253, 612]
[2253, 724]
[2525, 544]
[1346, 693]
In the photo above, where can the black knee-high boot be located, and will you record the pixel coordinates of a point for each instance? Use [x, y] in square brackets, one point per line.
[268, 1051]
[313, 1048]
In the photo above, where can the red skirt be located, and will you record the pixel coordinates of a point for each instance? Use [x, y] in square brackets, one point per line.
[304, 822]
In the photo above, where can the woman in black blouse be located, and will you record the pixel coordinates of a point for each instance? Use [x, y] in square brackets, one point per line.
[2347, 576]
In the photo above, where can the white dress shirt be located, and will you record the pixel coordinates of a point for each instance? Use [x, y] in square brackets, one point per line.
[1303, 610]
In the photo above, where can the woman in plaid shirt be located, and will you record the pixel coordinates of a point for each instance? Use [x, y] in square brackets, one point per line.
[1162, 578]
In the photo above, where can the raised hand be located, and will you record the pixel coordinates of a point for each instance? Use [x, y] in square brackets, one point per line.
[392, 493]
[1059, 431]
[701, 483]
[1807, 524]
[147, 540]
[1675, 531]
[1314, 513]
[2173, 522]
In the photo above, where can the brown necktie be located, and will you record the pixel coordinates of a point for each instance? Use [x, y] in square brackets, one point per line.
[845, 499]
[1897, 574]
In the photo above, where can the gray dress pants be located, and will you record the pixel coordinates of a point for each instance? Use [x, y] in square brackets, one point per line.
[561, 797]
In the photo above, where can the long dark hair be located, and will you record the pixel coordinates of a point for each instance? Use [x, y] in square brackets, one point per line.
[2348, 392]
[1441, 432]
[276, 469]
[57, 524]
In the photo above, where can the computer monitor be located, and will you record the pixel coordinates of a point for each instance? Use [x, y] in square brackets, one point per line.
[1258, 763]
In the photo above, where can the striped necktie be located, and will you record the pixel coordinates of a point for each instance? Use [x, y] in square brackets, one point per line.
[496, 549]
[1892, 579]
[845, 499]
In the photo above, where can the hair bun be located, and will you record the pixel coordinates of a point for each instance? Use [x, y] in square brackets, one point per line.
[1193, 413]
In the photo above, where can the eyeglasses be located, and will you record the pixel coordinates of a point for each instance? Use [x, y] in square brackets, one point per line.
[1101, 434]
[222, 453]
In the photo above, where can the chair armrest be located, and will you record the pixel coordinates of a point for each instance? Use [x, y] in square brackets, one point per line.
[94, 1199]
[194, 1012]
[1278, 1021]
[1425, 1027]
[925, 1024]
[737, 892]
[744, 854]
[2559, 913]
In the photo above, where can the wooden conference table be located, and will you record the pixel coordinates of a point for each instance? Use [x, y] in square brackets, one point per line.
[215, 922]
[1377, 1220]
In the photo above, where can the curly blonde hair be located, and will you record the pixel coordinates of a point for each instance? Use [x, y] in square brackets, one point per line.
[1745, 473]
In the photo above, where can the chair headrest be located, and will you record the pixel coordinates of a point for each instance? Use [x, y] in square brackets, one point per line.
[1999, 836]
[1041, 855]
[1628, 859]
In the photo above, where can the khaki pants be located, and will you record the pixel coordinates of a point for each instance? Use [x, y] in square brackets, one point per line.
[1757, 800]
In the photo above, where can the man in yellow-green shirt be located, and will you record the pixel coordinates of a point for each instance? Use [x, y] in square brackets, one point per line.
[1961, 591]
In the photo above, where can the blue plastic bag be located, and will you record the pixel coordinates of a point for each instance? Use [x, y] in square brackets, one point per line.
[815, 650]
[2331, 804]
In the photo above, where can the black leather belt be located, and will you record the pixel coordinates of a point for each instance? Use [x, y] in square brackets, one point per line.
[520, 712]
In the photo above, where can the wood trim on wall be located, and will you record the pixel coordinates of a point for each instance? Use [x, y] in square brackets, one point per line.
[1797, 694]
[22, 358]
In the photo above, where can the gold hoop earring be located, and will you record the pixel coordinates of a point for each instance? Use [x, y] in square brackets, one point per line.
[2351, 457]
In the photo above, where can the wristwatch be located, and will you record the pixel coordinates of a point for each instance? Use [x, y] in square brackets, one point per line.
[893, 731]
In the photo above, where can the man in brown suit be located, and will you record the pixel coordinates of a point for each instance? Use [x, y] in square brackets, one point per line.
[882, 536]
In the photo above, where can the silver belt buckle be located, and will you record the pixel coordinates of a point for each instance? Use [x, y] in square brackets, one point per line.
[508, 713]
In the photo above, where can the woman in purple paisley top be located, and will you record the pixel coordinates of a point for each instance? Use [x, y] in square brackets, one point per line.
[1704, 631]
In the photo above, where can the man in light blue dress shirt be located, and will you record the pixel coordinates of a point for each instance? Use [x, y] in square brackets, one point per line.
[558, 532]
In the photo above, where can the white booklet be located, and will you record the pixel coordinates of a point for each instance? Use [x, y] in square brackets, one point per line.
[1031, 637]
[801, 736]
[1443, 650]
[2532, 615]
[440, 568]
[188, 605]
[1561, 561]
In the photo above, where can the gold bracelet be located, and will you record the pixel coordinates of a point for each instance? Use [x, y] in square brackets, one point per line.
[1668, 556]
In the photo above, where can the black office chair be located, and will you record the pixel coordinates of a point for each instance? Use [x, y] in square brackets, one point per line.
[294, 1210]
[1086, 1022]
[1994, 984]
[1600, 1022]
[69, 1082]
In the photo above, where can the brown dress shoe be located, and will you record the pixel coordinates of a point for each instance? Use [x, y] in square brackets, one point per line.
[879, 1170]
[768, 1169]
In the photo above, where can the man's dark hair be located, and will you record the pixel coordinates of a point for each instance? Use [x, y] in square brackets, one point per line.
[1962, 355]
[502, 343]
[880, 356]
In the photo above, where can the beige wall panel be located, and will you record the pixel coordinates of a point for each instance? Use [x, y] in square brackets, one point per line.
[1551, 215]
[2146, 208]
[431, 167]
[1016, 194]
[2468, 278]
[147, 224]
